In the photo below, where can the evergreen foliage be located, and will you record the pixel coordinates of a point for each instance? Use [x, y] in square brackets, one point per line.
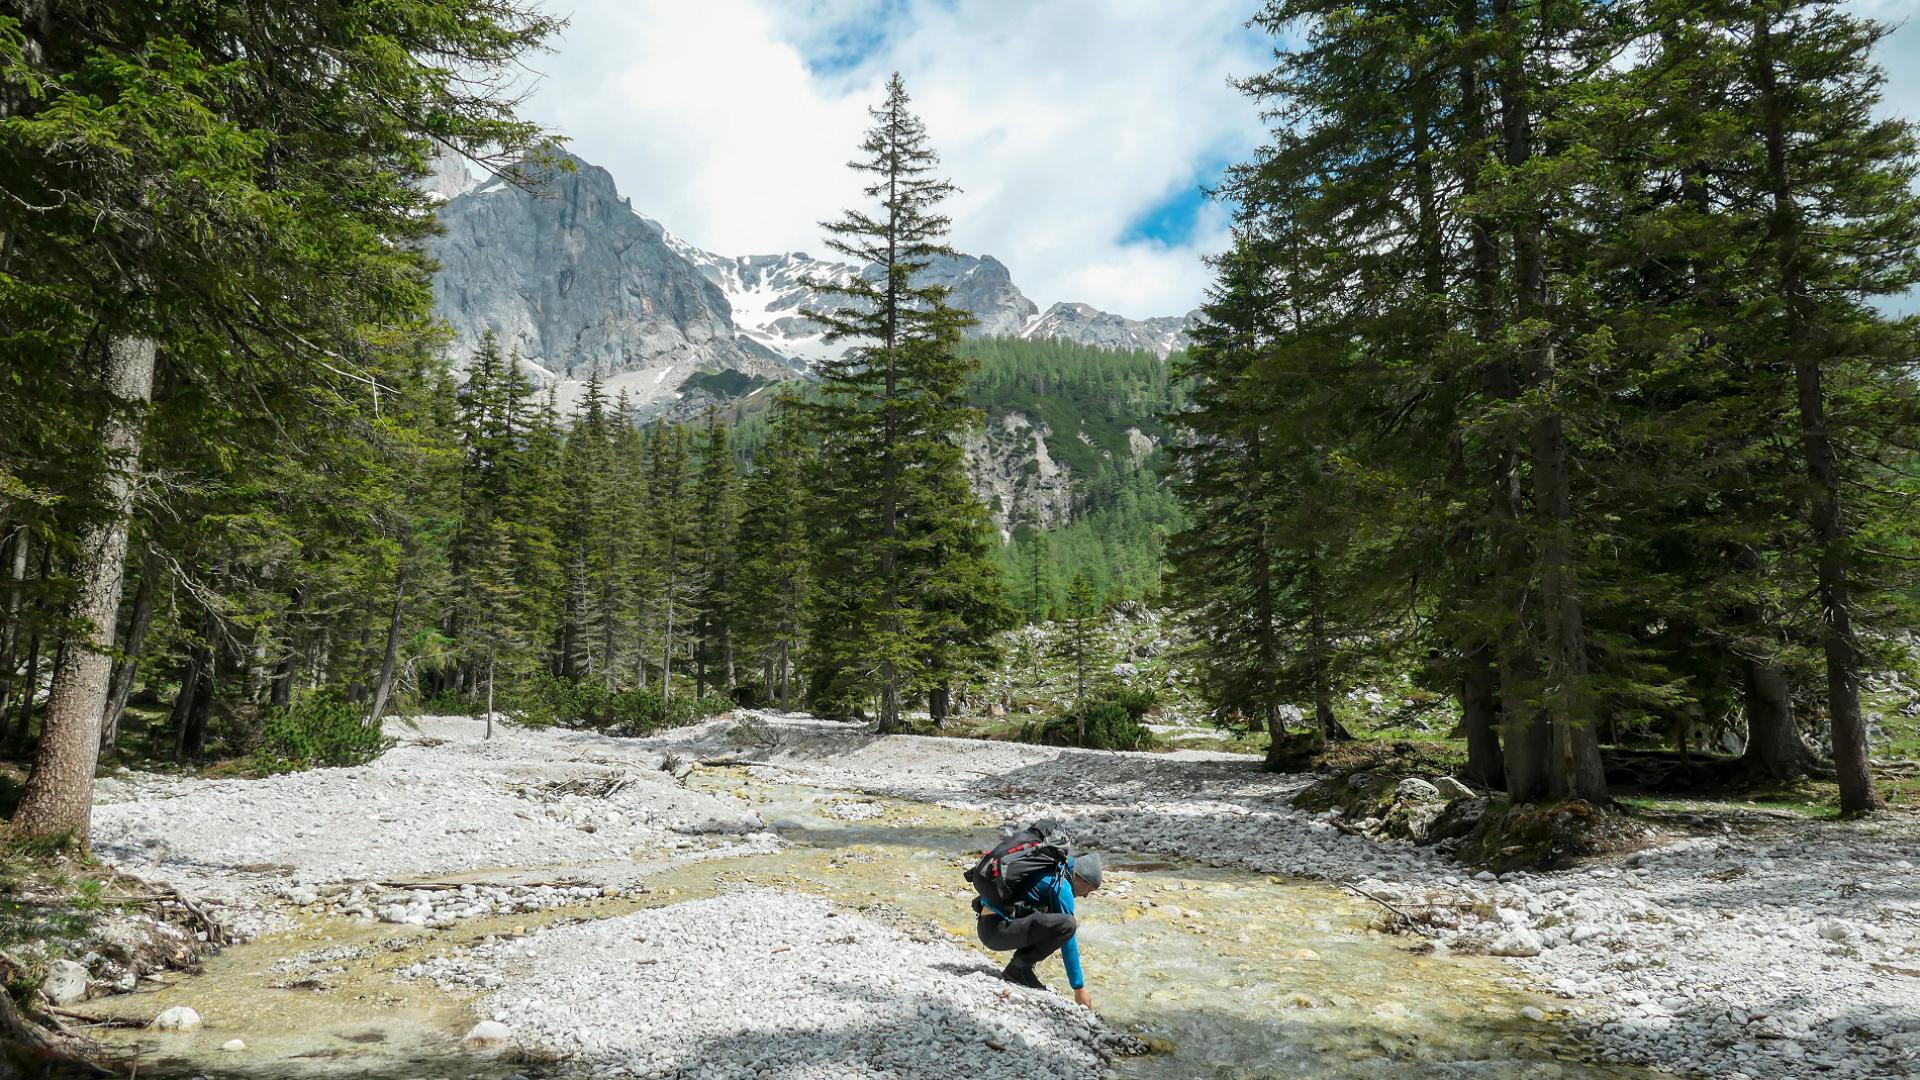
[901, 543]
[211, 208]
[1545, 362]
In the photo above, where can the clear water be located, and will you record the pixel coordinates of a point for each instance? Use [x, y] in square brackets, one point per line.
[1226, 974]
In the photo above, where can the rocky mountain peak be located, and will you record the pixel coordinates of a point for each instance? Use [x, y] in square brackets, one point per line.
[564, 271]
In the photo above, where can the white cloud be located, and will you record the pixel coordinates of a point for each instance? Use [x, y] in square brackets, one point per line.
[1062, 122]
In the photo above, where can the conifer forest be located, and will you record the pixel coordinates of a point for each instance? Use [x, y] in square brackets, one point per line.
[1478, 636]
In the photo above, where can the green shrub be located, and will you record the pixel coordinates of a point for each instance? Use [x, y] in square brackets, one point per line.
[545, 700]
[1113, 722]
[316, 732]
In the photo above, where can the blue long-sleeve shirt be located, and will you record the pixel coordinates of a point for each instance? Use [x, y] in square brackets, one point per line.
[1055, 893]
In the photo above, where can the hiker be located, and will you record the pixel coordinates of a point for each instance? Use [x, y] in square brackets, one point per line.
[1027, 885]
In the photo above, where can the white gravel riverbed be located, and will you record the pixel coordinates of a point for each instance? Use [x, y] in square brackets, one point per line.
[761, 982]
[444, 799]
[1776, 951]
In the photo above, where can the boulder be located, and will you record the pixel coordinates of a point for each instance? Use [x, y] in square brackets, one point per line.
[1451, 789]
[66, 982]
[1518, 941]
[1415, 788]
[178, 1018]
[489, 1033]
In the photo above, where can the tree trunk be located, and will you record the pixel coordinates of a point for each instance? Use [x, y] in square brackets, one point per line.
[10, 635]
[192, 689]
[666, 651]
[1568, 747]
[128, 666]
[1479, 720]
[59, 797]
[256, 668]
[28, 691]
[939, 701]
[197, 716]
[1321, 656]
[1774, 748]
[489, 691]
[282, 694]
[1825, 515]
[786, 677]
[390, 659]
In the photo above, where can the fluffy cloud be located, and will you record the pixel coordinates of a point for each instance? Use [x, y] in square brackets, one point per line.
[1064, 123]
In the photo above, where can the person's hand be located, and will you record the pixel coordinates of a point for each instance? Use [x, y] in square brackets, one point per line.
[1082, 998]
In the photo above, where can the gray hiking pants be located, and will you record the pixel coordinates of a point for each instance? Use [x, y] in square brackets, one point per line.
[1032, 938]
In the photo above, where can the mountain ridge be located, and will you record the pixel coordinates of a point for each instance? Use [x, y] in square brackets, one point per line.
[565, 272]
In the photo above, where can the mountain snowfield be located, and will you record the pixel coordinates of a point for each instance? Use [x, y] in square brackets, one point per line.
[577, 282]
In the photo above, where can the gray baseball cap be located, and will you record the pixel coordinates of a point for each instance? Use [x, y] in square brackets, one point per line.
[1087, 869]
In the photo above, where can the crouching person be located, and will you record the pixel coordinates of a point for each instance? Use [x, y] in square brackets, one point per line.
[1027, 905]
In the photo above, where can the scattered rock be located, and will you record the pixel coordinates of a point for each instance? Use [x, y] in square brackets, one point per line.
[489, 1033]
[1451, 789]
[1519, 941]
[1415, 788]
[178, 1018]
[232, 1045]
[66, 982]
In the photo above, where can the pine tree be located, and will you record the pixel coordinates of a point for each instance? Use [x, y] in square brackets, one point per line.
[775, 573]
[1039, 579]
[671, 498]
[1081, 645]
[889, 489]
[717, 497]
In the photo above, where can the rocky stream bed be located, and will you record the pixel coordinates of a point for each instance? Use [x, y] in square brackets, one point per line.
[766, 896]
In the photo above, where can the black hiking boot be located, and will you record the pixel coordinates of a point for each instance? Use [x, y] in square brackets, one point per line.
[1021, 975]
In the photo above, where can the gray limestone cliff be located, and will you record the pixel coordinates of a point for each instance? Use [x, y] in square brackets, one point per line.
[572, 278]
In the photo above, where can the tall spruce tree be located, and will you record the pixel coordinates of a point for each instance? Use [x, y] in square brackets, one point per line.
[895, 521]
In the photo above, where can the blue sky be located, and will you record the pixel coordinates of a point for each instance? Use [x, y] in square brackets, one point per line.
[1080, 131]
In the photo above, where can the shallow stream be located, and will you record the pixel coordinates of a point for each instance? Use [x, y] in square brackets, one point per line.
[1227, 974]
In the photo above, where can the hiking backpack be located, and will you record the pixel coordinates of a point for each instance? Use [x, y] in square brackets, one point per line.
[1008, 870]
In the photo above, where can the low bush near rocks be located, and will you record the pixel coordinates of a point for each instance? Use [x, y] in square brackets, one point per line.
[317, 732]
[1112, 722]
[589, 703]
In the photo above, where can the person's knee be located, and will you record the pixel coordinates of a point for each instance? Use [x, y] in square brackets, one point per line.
[1065, 926]
[992, 930]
